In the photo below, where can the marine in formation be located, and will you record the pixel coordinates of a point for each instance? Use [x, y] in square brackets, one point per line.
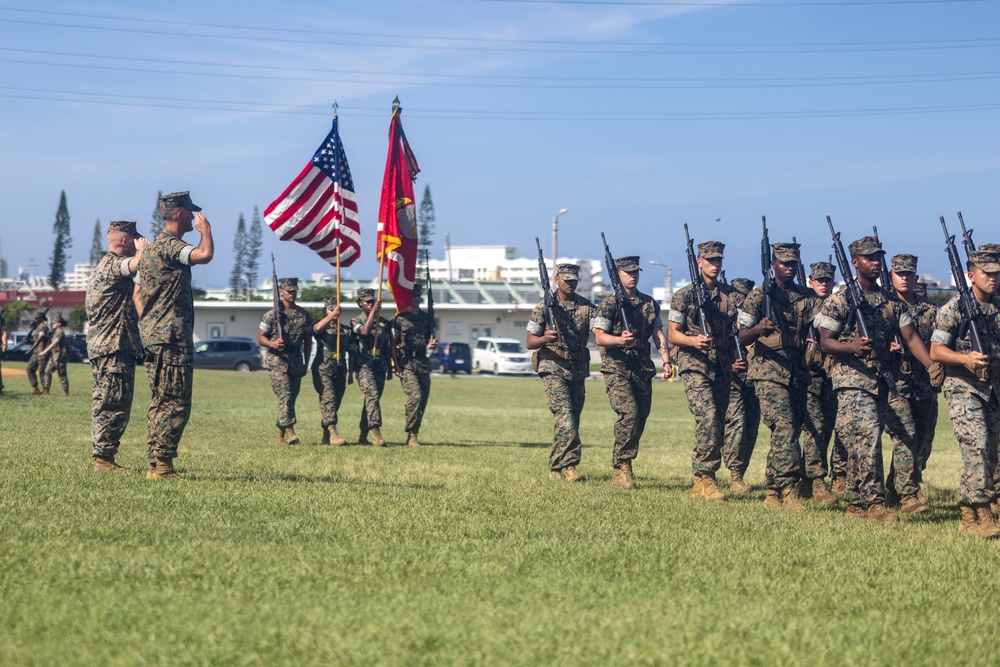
[288, 341]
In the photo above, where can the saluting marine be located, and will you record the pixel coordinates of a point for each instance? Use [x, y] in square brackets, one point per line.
[331, 373]
[412, 335]
[373, 336]
[562, 361]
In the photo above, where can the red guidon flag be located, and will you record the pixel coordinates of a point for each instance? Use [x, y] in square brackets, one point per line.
[397, 216]
[319, 209]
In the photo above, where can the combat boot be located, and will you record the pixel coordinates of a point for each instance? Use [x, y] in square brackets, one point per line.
[838, 486]
[326, 436]
[572, 474]
[855, 512]
[279, 438]
[335, 438]
[912, 505]
[107, 465]
[35, 391]
[821, 494]
[772, 500]
[968, 524]
[790, 499]
[987, 524]
[412, 441]
[163, 469]
[622, 476]
[706, 487]
[878, 512]
[65, 392]
[290, 436]
[556, 474]
[736, 483]
[921, 497]
[377, 439]
[45, 392]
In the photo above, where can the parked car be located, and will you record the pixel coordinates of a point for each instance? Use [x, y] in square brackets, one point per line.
[500, 355]
[237, 354]
[451, 358]
[18, 353]
[76, 350]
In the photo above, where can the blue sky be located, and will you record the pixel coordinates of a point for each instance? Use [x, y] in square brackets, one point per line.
[637, 117]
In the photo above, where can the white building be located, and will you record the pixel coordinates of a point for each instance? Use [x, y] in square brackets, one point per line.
[77, 280]
[501, 263]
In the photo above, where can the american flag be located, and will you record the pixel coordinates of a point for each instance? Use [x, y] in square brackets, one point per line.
[319, 209]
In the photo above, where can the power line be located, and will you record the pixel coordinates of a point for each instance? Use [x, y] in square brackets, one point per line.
[723, 3]
[498, 81]
[483, 44]
[175, 103]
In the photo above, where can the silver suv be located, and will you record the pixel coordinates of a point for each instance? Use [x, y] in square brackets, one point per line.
[235, 354]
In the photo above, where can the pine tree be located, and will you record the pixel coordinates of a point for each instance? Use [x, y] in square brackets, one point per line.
[239, 258]
[425, 220]
[156, 226]
[97, 245]
[57, 263]
[253, 249]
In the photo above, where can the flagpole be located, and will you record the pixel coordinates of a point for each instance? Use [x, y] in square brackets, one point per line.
[381, 263]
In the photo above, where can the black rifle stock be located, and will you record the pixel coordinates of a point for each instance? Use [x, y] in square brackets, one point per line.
[547, 298]
[967, 303]
[276, 302]
[859, 305]
[697, 285]
[621, 299]
[765, 267]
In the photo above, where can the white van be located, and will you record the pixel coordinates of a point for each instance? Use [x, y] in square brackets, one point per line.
[500, 355]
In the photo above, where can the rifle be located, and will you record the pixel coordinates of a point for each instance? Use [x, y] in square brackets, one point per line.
[621, 299]
[767, 286]
[276, 301]
[858, 304]
[967, 304]
[886, 282]
[697, 285]
[430, 295]
[970, 247]
[722, 277]
[547, 298]
[800, 275]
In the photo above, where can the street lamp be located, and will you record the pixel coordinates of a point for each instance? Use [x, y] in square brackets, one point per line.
[669, 280]
[555, 236]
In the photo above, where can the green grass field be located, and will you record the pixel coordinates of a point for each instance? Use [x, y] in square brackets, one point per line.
[460, 552]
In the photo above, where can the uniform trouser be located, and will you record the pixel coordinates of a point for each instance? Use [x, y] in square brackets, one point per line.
[630, 397]
[904, 473]
[371, 381]
[782, 408]
[37, 365]
[329, 383]
[977, 429]
[925, 416]
[742, 422]
[817, 426]
[114, 386]
[57, 364]
[838, 455]
[860, 422]
[707, 400]
[566, 398]
[417, 387]
[286, 385]
[171, 376]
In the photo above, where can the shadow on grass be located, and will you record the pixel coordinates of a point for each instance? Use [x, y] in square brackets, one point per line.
[292, 478]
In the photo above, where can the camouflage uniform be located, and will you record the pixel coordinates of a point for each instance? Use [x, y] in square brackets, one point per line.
[743, 412]
[777, 370]
[707, 376]
[821, 403]
[38, 362]
[286, 366]
[167, 330]
[57, 358]
[329, 373]
[628, 372]
[914, 405]
[564, 368]
[3, 328]
[862, 394]
[973, 402]
[113, 346]
[371, 368]
[411, 333]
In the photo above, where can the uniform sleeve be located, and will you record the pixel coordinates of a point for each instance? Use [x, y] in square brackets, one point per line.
[831, 316]
[605, 315]
[265, 323]
[946, 325]
[123, 269]
[536, 323]
[678, 313]
[748, 315]
[179, 252]
[657, 320]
